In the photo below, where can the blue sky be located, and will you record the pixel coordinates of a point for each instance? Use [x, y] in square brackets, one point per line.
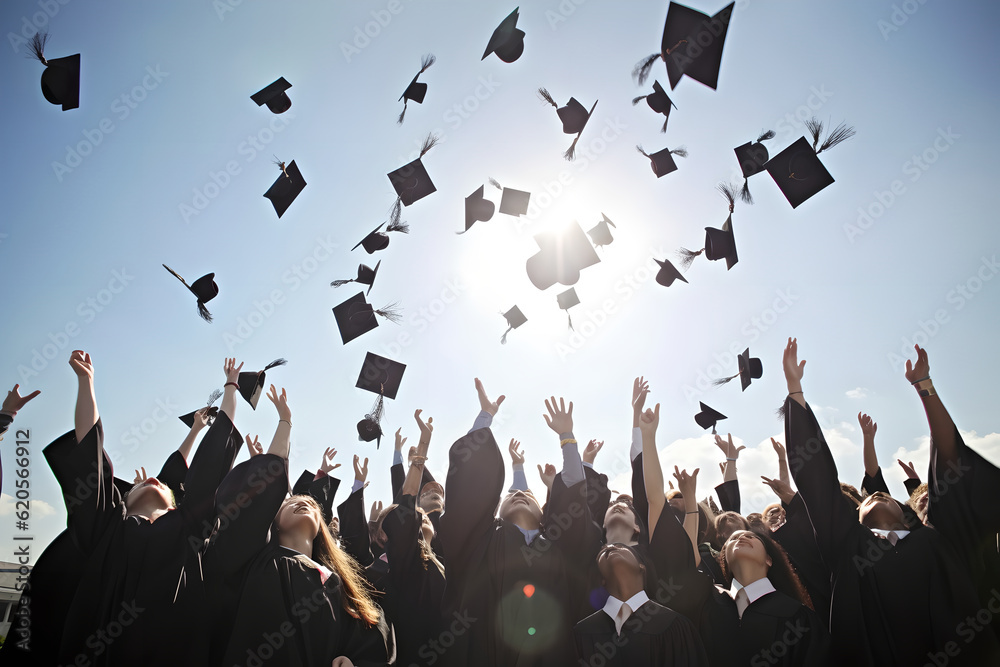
[900, 249]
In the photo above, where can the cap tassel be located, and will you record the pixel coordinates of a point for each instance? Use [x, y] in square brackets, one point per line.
[641, 70]
[815, 128]
[782, 411]
[398, 226]
[765, 135]
[639, 148]
[745, 195]
[722, 381]
[495, 184]
[687, 257]
[213, 397]
[396, 212]
[402, 114]
[392, 312]
[203, 311]
[570, 153]
[544, 94]
[728, 191]
[679, 152]
[503, 338]
[338, 283]
[840, 133]
[636, 100]
[276, 362]
[37, 47]
[430, 142]
[569, 321]
[426, 62]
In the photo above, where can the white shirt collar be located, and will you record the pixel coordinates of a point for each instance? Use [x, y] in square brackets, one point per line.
[614, 605]
[900, 534]
[755, 589]
[529, 535]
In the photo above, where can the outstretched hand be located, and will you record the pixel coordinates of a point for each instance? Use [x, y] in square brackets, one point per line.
[426, 428]
[794, 370]
[779, 449]
[81, 364]
[548, 475]
[231, 370]
[360, 471]
[15, 401]
[139, 477]
[921, 369]
[640, 389]
[400, 440]
[781, 489]
[280, 404]
[590, 453]
[516, 457]
[376, 510]
[327, 464]
[687, 484]
[254, 446]
[649, 421]
[728, 449]
[492, 407]
[868, 425]
[911, 472]
[559, 419]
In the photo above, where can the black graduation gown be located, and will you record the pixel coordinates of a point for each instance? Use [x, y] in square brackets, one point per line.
[652, 636]
[52, 583]
[285, 615]
[870, 485]
[797, 539]
[729, 496]
[774, 630]
[322, 489]
[140, 579]
[891, 605]
[414, 589]
[397, 478]
[513, 603]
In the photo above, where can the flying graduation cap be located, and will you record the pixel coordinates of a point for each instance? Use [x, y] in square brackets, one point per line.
[708, 417]
[719, 243]
[574, 117]
[480, 209]
[567, 300]
[662, 162]
[416, 91]
[752, 156]
[61, 78]
[381, 376]
[506, 41]
[600, 234]
[356, 316]
[212, 410]
[668, 273]
[204, 290]
[512, 202]
[252, 383]
[274, 96]
[749, 369]
[797, 170]
[691, 45]
[286, 188]
[379, 240]
[411, 181]
[658, 101]
[366, 276]
[562, 255]
[515, 318]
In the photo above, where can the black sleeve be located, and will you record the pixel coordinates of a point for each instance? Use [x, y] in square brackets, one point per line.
[729, 496]
[173, 472]
[874, 484]
[322, 489]
[964, 501]
[354, 536]
[568, 509]
[598, 494]
[211, 463]
[639, 500]
[396, 477]
[301, 486]
[402, 528]
[5, 422]
[680, 585]
[911, 485]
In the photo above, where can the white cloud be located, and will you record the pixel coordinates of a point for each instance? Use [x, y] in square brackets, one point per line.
[39, 508]
[858, 392]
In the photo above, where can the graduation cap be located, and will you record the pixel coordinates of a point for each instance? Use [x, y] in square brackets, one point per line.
[752, 156]
[691, 45]
[512, 202]
[61, 78]
[411, 181]
[798, 171]
[380, 375]
[286, 188]
[477, 208]
[668, 273]
[370, 428]
[662, 162]
[252, 383]
[506, 41]
[574, 117]
[379, 240]
[658, 101]
[416, 91]
[212, 410]
[366, 276]
[600, 234]
[204, 289]
[562, 255]
[356, 316]
[708, 417]
[719, 243]
[274, 96]
[515, 318]
[567, 300]
[749, 369]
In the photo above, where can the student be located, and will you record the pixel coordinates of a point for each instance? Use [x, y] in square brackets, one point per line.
[898, 597]
[300, 600]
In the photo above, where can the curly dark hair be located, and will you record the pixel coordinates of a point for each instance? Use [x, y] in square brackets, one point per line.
[781, 573]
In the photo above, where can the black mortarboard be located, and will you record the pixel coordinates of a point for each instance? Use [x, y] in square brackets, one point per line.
[562, 255]
[506, 41]
[204, 289]
[668, 273]
[692, 43]
[567, 300]
[380, 375]
[416, 91]
[708, 417]
[574, 117]
[356, 316]
[370, 428]
[719, 243]
[411, 182]
[366, 276]
[515, 318]
[752, 157]
[477, 208]
[662, 162]
[379, 240]
[601, 234]
[514, 202]
[252, 383]
[797, 170]
[659, 102]
[286, 188]
[61, 78]
[212, 410]
[274, 96]
[749, 369]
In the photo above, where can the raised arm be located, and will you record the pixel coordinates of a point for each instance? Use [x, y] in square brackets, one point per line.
[354, 535]
[12, 404]
[487, 409]
[873, 480]
[520, 482]
[198, 424]
[414, 476]
[560, 420]
[651, 471]
[688, 486]
[86, 401]
[779, 449]
[232, 372]
[640, 388]
[396, 474]
[729, 490]
[280, 441]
